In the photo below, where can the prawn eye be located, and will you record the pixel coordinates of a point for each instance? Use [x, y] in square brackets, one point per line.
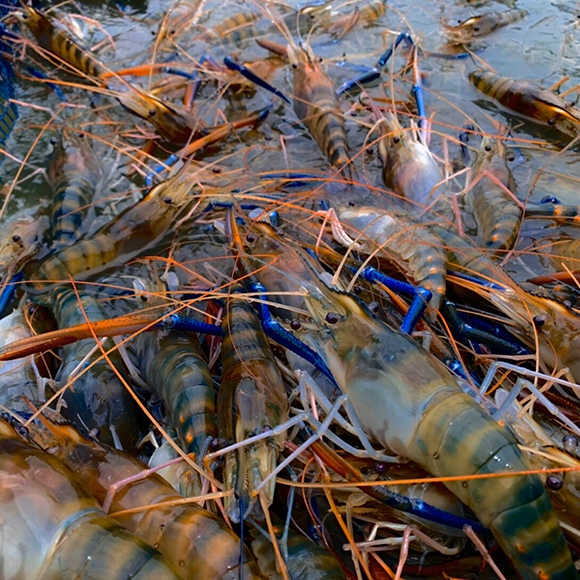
[476, 29]
[570, 442]
[539, 321]
[295, 325]
[331, 318]
[167, 200]
[16, 238]
[294, 65]
[554, 482]
[551, 122]
[152, 112]
[396, 139]
[250, 238]
[487, 147]
[374, 307]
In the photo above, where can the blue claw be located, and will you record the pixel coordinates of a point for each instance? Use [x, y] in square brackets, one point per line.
[550, 199]
[180, 73]
[187, 324]
[480, 335]
[279, 334]
[403, 36]
[421, 296]
[372, 75]
[254, 78]
[265, 112]
[358, 67]
[417, 91]
[9, 291]
[366, 78]
[171, 160]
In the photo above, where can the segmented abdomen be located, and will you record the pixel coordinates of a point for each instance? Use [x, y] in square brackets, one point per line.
[318, 108]
[71, 198]
[82, 259]
[493, 85]
[85, 552]
[177, 371]
[499, 219]
[232, 31]
[305, 558]
[456, 437]
[416, 250]
[52, 529]
[372, 10]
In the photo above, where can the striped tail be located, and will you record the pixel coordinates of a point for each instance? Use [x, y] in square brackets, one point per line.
[455, 438]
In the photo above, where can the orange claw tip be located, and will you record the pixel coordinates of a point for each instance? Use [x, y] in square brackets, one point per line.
[64, 336]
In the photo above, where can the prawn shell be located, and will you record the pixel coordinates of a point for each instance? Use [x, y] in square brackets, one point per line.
[317, 106]
[252, 398]
[51, 36]
[74, 173]
[528, 100]
[52, 529]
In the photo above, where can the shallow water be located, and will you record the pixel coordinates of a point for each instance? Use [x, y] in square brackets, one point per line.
[541, 48]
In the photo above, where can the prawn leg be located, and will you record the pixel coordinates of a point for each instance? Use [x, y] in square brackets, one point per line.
[421, 296]
[374, 73]
[9, 291]
[232, 65]
[397, 501]
[469, 332]
[274, 330]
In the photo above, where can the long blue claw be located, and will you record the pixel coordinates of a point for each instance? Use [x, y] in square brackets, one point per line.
[373, 74]
[253, 77]
[416, 310]
[9, 291]
[479, 335]
[417, 91]
[496, 330]
[384, 58]
[293, 179]
[187, 324]
[366, 78]
[358, 67]
[181, 73]
[458, 56]
[279, 334]
[421, 296]
[207, 58]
